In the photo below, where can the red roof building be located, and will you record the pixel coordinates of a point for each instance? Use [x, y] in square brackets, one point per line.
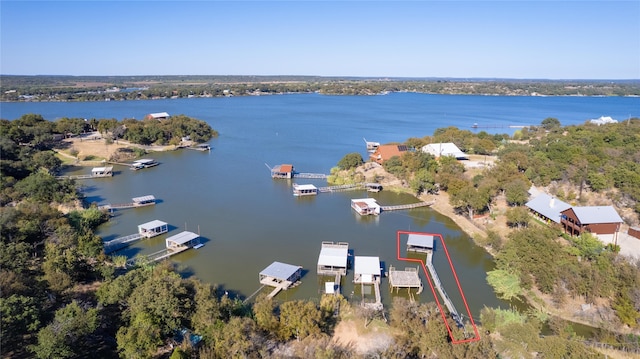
[385, 152]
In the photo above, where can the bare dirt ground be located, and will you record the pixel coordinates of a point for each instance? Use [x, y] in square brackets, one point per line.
[92, 147]
[352, 332]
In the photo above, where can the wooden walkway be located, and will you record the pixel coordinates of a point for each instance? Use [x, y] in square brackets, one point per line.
[80, 177]
[158, 256]
[122, 242]
[341, 188]
[406, 206]
[309, 175]
[447, 301]
[377, 305]
[110, 207]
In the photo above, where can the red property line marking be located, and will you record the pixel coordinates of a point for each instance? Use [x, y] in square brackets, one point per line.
[433, 290]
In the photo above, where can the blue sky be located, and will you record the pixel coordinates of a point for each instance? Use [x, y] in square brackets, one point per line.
[460, 39]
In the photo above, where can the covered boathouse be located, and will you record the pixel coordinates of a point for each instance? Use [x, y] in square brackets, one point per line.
[366, 206]
[366, 270]
[182, 241]
[421, 243]
[281, 276]
[304, 190]
[147, 200]
[282, 171]
[106, 171]
[333, 258]
[153, 228]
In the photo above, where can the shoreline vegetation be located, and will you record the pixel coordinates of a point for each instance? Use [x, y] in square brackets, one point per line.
[64, 297]
[115, 88]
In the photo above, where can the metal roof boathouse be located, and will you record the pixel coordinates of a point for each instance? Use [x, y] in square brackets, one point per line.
[422, 243]
[281, 276]
[153, 228]
[367, 271]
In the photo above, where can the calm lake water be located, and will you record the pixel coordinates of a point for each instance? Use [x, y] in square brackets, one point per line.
[249, 220]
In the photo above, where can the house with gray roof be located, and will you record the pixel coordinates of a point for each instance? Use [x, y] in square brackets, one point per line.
[598, 220]
[547, 207]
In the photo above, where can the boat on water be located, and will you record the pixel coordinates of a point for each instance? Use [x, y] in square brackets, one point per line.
[143, 163]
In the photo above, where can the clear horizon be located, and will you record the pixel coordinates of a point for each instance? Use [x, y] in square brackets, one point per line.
[518, 40]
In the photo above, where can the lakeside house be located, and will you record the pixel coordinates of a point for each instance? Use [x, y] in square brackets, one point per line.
[598, 220]
[547, 208]
[445, 149]
[385, 152]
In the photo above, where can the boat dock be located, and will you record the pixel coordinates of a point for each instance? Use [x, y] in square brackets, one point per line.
[281, 276]
[408, 278]
[443, 294]
[333, 260]
[201, 147]
[174, 245]
[145, 230]
[120, 243]
[367, 271]
[143, 201]
[287, 171]
[96, 172]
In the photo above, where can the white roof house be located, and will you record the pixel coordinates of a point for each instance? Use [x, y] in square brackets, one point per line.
[158, 115]
[548, 206]
[603, 120]
[445, 149]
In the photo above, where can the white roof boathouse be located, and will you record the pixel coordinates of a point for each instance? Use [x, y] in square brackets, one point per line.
[153, 228]
[281, 276]
[304, 190]
[422, 243]
[147, 200]
[333, 258]
[106, 171]
[182, 241]
[143, 163]
[367, 271]
[366, 206]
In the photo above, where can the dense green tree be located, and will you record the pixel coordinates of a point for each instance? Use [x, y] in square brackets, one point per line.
[516, 192]
[66, 336]
[351, 160]
[518, 217]
[550, 123]
[299, 319]
[470, 199]
[20, 316]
